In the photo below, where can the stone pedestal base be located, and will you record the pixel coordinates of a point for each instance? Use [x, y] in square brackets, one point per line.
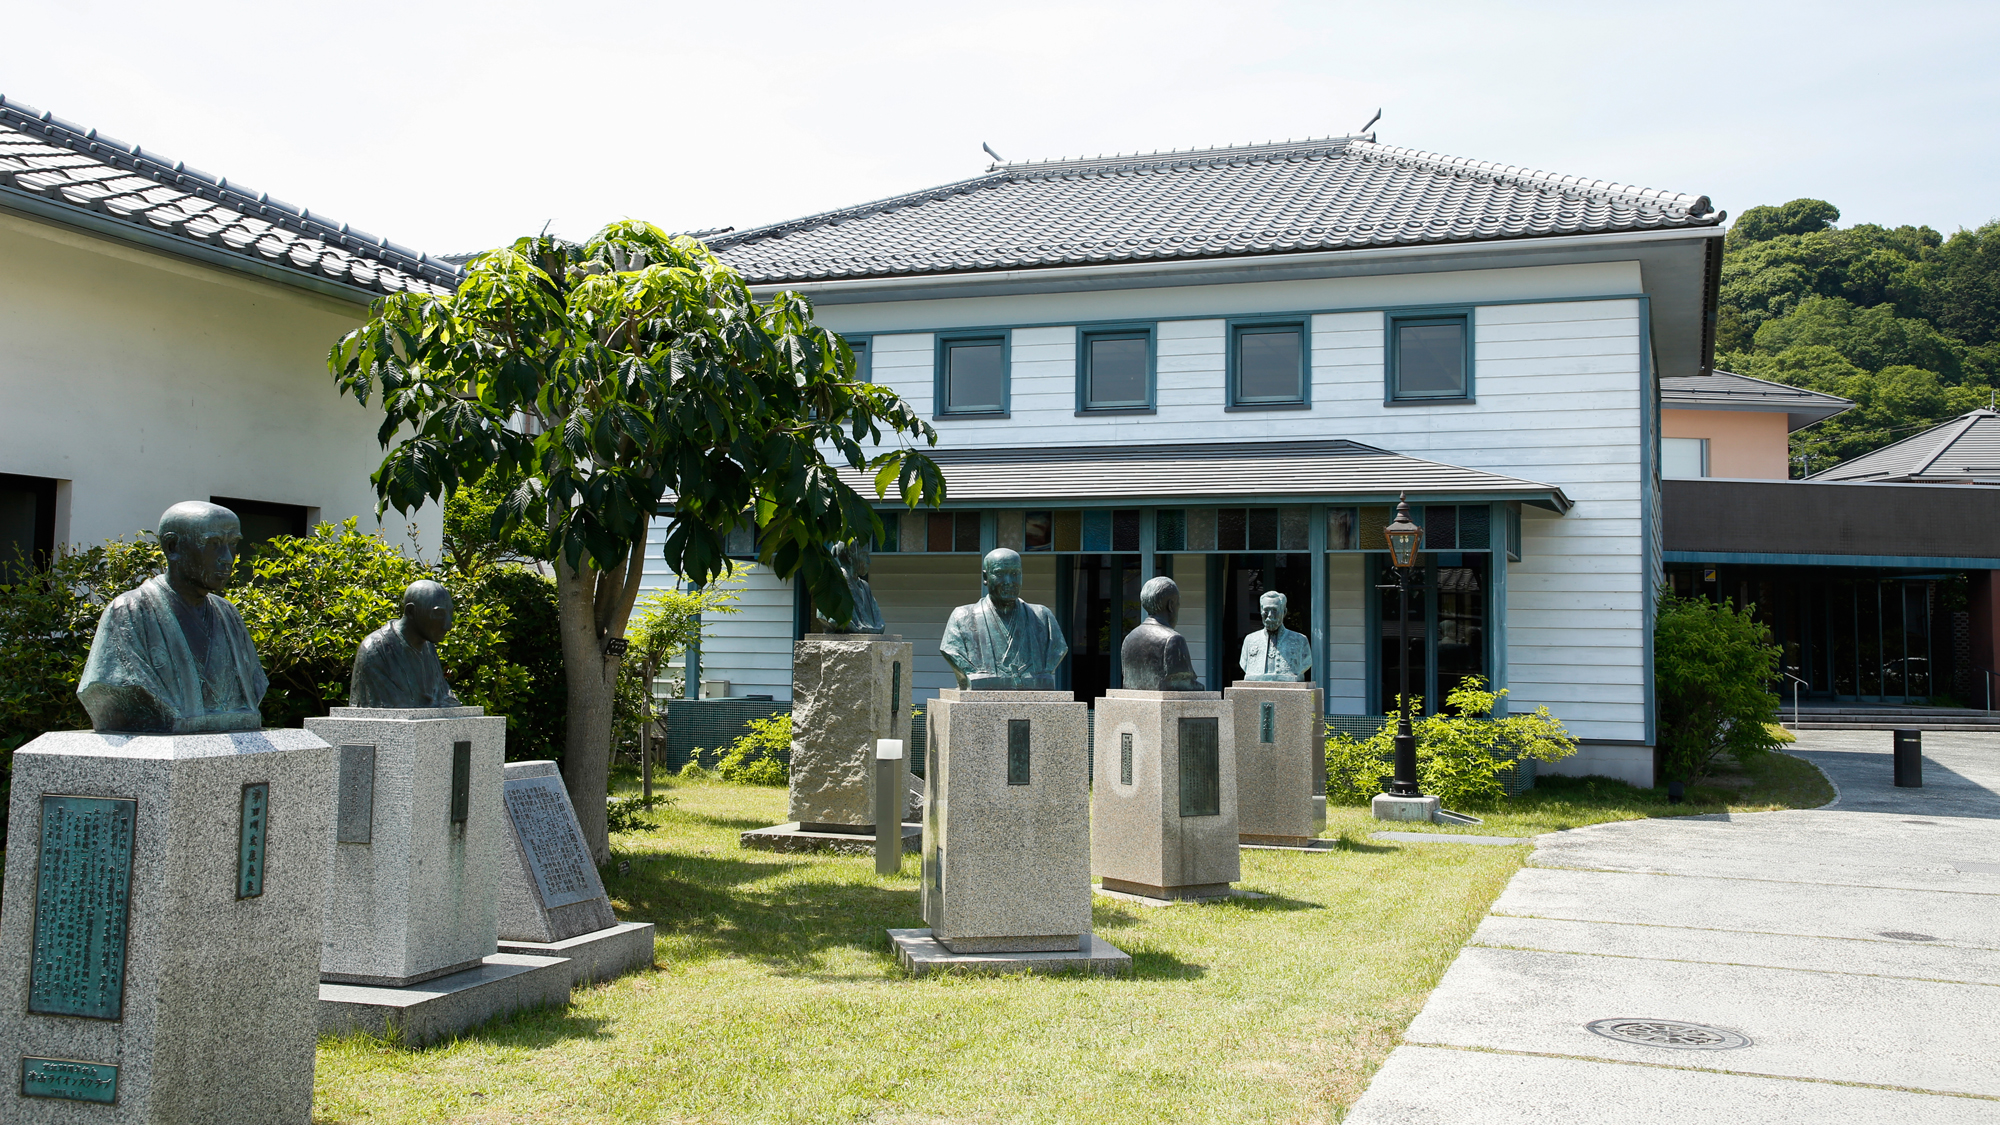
[1169, 821]
[919, 952]
[439, 1008]
[598, 956]
[417, 849]
[1280, 762]
[796, 837]
[848, 690]
[1007, 821]
[1404, 808]
[548, 889]
[159, 951]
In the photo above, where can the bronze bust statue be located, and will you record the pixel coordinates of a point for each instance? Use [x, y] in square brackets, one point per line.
[171, 656]
[397, 665]
[1155, 656]
[854, 561]
[1001, 643]
[1275, 652]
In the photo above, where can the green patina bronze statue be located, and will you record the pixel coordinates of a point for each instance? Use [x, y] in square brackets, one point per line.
[854, 561]
[172, 657]
[397, 665]
[1001, 643]
[1275, 652]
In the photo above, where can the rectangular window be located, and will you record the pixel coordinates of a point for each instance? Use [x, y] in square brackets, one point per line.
[972, 375]
[1683, 458]
[27, 524]
[1115, 370]
[1342, 534]
[1170, 529]
[1037, 531]
[863, 355]
[891, 538]
[263, 521]
[1267, 365]
[952, 531]
[1429, 359]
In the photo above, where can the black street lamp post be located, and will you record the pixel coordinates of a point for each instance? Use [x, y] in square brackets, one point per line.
[1404, 536]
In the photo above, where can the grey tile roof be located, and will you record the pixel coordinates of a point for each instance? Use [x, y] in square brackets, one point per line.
[1965, 450]
[1329, 194]
[1247, 472]
[83, 171]
[1723, 390]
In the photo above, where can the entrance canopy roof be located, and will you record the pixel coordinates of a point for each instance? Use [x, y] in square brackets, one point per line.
[1261, 472]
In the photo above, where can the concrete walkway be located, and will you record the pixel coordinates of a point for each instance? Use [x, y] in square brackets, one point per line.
[1844, 961]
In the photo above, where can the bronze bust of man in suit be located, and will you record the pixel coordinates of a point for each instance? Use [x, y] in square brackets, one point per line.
[1155, 656]
[1275, 652]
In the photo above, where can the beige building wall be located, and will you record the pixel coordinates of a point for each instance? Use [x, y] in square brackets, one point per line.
[1741, 443]
[139, 380]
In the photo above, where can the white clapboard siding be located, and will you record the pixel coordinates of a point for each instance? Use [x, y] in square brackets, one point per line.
[1191, 575]
[751, 648]
[918, 592]
[1345, 678]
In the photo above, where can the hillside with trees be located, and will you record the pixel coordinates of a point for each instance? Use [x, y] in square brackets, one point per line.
[1904, 321]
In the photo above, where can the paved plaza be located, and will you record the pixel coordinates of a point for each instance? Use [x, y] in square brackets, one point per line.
[1835, 961]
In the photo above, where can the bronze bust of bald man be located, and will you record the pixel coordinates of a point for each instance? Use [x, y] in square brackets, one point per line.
[397, 666]
[171, 656]
[1155, 656]
[1000, 642]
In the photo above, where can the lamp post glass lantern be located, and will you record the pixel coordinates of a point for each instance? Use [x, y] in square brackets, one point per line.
[1404, 538]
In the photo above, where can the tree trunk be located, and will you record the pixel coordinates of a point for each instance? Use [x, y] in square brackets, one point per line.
[593, 608]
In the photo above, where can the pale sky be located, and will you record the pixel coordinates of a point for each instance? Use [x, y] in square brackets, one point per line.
[457, 126]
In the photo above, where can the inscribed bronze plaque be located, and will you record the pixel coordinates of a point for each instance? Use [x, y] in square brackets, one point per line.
[461, 781]
[539, 809]
[83, 902]
[252, 836]
[1125, 757]
[1017, 751]
[69, 1080]
[1267, 722]
[1201, 767]
[356, 819]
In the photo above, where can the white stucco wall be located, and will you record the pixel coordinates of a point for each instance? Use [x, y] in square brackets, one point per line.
[141, 380]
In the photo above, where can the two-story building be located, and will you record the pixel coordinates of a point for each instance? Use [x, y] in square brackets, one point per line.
[1225, 365]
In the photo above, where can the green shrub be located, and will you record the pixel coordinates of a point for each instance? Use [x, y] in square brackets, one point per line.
[753, 759]
[633, 814]
[1712, 667]
[1462, 758]
[47, 621]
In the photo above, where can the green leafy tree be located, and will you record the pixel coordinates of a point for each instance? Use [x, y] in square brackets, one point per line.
[47, 620]
[1464, 754]
[664, 623]
[1713, 665]
[594, 381]
[754, 758]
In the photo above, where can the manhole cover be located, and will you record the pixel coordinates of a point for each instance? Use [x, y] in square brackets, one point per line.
[1905, 935]
[1668, 1033]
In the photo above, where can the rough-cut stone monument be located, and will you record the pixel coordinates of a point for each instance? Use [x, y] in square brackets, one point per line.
[552, 903]
[1275, 653]
[397, 666]
[166, 872]
[1163, 824]
[1006, 860]
[1280, 762]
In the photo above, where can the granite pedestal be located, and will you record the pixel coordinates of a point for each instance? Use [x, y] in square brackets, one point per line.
[1280, 762]
[848, 691]
[159, 953]
[1007, 822]
[420, 837]
[1386, 807]
[551, 901]
[1163, 823]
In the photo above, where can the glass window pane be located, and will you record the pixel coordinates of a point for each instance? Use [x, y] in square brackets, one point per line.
[1170, 529]
[1341, 529]
[1267, 365]
[1430, 360]
[1440, 527]
[1201, 529]
[1473, 534]
[1125, 529]
[939, 538]
[1683, 458]
[1294, 529]
[1263, 529]
[1117, 372]
[1229, 529]
[891, 538]
[965, 534]
[1069, 531]
[973, 376]
[1097, 530]
[1038, 532]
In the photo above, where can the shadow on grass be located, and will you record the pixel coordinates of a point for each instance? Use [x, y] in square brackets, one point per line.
[1158, 964]
[533, 1027]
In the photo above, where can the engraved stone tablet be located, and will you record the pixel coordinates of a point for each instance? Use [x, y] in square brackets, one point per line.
[69, 1080]
[356, 822]
[1017, 751]
[461, 781]
[83, 898]
[250, 836]
[540, 811]
[1201, 766]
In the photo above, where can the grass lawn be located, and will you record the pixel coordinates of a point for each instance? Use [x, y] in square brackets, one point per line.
[776, 998]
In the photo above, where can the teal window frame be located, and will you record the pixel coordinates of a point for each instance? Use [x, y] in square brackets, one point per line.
[1393, 321]
[1236, 330]
[863, 345]
[1084, 337]
[941, 374]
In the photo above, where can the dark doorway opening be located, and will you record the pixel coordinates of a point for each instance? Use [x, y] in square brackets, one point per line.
[1103, 606]
[1447, 629]
[1245, 578]
[27, 525]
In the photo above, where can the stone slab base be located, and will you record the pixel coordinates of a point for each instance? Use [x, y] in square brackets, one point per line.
[1450, 838]
[1386, 807]
[921, 953]
[791, 838]
[399, 982]
[424, 1013]
[1276, 841]
[596, 956]
[1190, 890]
[1137, 898]
[1311, 847]
[1047, 943]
